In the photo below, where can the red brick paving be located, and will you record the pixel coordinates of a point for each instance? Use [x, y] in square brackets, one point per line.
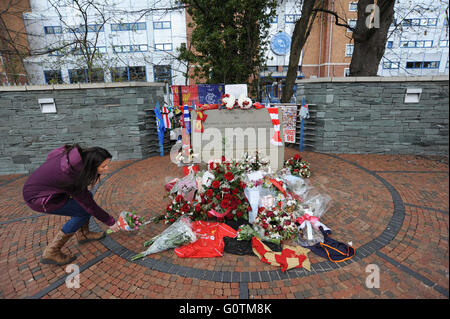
[360, 210]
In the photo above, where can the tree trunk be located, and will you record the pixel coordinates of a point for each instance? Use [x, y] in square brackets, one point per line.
[299, 36]
[370, 42]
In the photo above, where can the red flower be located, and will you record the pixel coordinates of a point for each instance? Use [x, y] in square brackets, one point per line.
[215, 184]
[269, 214]
[242, 185]
[235, 191]
[287, 222]
[239, 214]
[197, 208]
[179, 198]
[218, 196]
[297, 157]
[229, 176]
[225, 203]
[209, 193]
[211, 165]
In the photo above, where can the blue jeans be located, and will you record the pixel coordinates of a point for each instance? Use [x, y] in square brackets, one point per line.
[79, 216]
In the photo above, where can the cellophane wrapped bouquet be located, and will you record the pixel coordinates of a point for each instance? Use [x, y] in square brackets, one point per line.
[178, 234]
[129, 221]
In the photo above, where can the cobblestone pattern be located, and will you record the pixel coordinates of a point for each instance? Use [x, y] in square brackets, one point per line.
[377, 202]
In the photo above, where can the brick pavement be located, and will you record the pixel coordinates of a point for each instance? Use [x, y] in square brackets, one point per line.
[394, 208]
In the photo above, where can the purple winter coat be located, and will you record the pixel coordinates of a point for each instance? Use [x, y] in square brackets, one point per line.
[43, 191]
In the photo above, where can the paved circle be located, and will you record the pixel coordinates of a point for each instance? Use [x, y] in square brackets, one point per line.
[365, 209]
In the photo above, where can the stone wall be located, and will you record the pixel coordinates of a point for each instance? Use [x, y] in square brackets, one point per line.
[368, 114]
[116, 116]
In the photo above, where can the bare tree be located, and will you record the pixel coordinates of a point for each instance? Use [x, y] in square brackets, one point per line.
[84, 22]
[370, 36]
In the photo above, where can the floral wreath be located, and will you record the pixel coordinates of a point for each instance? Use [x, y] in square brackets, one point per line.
[244, 102]
[229, 101]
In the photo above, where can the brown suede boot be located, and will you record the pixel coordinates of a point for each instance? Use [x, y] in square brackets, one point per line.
[53, 255]
[84, 235]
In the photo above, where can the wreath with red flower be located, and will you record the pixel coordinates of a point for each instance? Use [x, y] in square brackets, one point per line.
[298, 166]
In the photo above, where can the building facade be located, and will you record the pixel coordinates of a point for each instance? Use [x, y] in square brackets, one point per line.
[13, 42]
[417, 41]
[136, 40]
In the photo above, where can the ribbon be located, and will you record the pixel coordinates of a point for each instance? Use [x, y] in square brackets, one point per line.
[218, 215]
[277, 185]
[306, 220]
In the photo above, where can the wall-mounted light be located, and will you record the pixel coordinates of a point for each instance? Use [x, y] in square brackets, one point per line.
[412, 95]
[47, 105]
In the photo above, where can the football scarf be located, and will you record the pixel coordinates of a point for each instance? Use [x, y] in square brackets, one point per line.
[276, 139]
[290, 257]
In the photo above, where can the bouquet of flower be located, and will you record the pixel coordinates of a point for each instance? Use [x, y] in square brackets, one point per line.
[246, 232]
[177, 234]
[129, 221]
[179, 207]
[253, 163]
[298, 166]
[225, 197]
[275, 220]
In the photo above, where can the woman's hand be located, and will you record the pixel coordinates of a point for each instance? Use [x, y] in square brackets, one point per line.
[114, 228]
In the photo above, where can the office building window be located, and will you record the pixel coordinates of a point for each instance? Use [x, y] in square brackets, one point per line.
[162, 25]
[274, 20]
[443, 43]
[391, 65]
[82, 76]
[128, 73]
[347, 72]
[162, 73]
[291, 18]
[128, 26]
[90, 28]
[52, 30]
[351, 23]
[419, 22]
[163, 46]
[422, 64]
[130, 48]
[389, 44]
[416, 44]
[353, 6]
[53, 77]
[349, 49]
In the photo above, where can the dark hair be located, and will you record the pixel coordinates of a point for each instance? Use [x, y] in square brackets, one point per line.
[91, 157]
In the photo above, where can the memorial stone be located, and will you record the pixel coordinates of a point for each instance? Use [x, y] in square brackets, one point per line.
[232, 133]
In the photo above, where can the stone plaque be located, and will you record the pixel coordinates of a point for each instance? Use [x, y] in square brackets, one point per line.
[233, 133]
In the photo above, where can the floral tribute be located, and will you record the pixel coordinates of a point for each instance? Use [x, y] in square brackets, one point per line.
[298, 166]
[221, 195]
[276, 219]
[272, 203]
